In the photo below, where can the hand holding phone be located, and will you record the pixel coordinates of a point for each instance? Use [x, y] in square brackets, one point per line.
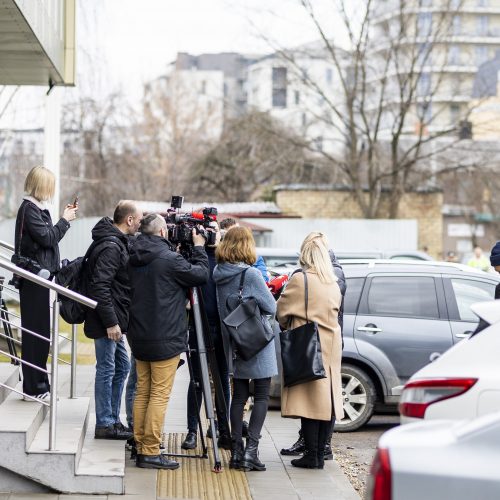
[75, 202]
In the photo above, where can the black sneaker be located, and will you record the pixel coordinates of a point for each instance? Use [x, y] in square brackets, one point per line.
[155, 462]
[112, 432]
[190, 441]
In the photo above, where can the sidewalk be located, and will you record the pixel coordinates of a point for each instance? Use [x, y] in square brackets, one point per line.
[194, 479]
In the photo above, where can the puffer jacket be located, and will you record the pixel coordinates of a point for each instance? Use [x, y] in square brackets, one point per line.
[107, 281]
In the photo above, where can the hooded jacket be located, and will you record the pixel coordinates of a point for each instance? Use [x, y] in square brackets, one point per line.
[160, 279]
[107, 280]
[227, 278]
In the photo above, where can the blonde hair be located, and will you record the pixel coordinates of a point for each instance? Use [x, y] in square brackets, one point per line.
[314, 255]
[238, 245]
[40, 183]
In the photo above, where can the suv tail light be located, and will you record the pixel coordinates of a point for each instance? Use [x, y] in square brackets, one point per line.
[420, 394]
[379, 485]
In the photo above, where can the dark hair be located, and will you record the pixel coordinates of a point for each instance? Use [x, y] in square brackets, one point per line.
[227, 223]
[123, 210]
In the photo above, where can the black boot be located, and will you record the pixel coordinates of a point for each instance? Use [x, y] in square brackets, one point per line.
[297, 448]
[328, 453]
[190, 441]
[224, 441]
[308, 461]
[310, 431]
[236, 454]
[251, 456]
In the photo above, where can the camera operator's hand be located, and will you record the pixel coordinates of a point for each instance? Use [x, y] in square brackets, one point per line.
[214, 227]
[114, 333]
[198, 239]
[70, 212]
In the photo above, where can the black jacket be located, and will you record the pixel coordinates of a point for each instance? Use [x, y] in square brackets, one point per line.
[39, 240]
[209, 291]
[106, 280]
[159, 279]
[339, 272]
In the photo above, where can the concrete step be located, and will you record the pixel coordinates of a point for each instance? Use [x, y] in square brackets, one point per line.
[61, 469]
[9, 375]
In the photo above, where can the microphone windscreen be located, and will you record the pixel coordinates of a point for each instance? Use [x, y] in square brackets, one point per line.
[44, 273]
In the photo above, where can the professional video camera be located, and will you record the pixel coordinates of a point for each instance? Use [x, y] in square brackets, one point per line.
[180, 225]
[29, 265]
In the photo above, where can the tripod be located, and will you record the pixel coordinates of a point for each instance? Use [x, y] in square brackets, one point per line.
[6, 324]
[206, 357]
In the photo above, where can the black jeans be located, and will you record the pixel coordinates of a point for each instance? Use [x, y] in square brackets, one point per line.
[241, 392]
[35, 316]
[192, 410]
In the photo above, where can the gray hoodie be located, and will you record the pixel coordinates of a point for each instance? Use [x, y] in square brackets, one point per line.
[227, 279]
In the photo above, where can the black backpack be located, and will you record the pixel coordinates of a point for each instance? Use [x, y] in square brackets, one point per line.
[72, 276]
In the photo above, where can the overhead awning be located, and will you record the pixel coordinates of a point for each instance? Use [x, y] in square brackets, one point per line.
[37, 42]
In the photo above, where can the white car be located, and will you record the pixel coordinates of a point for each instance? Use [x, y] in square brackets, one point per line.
[462, 383]
[440, 460]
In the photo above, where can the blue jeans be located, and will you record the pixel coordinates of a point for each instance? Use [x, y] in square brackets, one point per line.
[130, 392]
[112, 368]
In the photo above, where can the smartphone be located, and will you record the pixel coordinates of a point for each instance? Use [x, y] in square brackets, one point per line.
[75, 203]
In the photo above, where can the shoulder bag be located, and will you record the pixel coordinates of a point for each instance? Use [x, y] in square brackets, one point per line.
[301, 351]
[248, 330]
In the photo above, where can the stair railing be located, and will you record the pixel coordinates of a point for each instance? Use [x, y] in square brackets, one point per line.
[53, 340]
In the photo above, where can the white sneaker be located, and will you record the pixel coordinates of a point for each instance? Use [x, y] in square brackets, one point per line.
[43, 397]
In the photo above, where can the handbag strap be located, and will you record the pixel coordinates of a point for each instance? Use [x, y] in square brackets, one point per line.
[306, 293]
[17, 249]
[242, 280]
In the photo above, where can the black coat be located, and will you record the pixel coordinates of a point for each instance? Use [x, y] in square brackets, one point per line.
[339, 272]
[40, 238]
[159, 279]
[107, 281]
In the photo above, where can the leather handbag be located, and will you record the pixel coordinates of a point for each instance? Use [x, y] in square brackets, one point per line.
[301, 351]
[248, 329]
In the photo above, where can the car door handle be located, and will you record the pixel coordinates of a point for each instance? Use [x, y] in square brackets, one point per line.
[464, 335]
[369, 328]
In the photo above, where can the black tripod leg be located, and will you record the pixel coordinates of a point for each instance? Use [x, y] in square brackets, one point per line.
[193, 383]
[207, 393]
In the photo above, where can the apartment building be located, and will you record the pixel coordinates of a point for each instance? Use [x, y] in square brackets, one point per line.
[447, 41]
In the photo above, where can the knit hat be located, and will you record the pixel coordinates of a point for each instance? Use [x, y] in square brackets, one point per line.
[495, 255]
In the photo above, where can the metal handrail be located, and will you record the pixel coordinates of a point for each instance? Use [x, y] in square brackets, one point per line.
[47, 284]
[53, 340]
[8, 246]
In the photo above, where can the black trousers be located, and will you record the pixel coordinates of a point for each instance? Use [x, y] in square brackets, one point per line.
[35, 316]
[316, 434]
[241, 392]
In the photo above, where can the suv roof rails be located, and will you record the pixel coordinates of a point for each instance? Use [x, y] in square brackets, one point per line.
[431, 263]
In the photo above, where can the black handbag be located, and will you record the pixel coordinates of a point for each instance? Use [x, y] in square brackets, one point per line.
[301, 351]
[248, 330]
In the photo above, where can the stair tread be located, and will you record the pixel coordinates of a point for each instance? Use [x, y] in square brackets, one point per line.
[6, 371]
[71, 417]
[17, 415]
[101, 457]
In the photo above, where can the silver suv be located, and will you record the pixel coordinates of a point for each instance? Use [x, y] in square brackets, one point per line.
[399, 316]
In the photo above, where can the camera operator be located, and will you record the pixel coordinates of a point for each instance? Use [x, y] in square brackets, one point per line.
[157, 330]
[209, 293]
[37, 250]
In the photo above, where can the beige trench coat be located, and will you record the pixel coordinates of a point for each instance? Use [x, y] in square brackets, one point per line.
[314, 399]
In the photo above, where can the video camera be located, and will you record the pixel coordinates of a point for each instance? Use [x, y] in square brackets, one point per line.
[180, 225]
[29, 265]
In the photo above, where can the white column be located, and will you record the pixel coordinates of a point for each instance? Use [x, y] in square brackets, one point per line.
[52, 139]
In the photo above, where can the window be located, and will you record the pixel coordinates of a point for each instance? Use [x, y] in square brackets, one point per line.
[203, 89]
[279, 87]
[482, 3]
[482, 25]
[352, 294]
[304, 119]
[410, 296]
[467, 292]
[424, 24]
[318, 143]
[454, 114]
[424, 54]
[481, 54]
[297, 97]
[424, 85]
[456, 27]
[454, 55]
[455, 4]
[425, 3]
[424, 112]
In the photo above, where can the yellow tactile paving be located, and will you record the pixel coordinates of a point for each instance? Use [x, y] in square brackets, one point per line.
[195, 480]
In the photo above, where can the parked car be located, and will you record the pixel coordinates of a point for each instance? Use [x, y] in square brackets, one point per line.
[462, 383]
[439, 460]
[386, 254]
[399, 316]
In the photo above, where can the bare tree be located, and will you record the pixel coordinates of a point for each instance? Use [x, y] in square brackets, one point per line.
[254, 151]
[386, 106]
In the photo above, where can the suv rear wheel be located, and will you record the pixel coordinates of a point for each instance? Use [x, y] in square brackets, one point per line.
[358, 395]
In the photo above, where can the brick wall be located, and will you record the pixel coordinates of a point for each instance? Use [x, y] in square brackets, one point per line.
[424, 207]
